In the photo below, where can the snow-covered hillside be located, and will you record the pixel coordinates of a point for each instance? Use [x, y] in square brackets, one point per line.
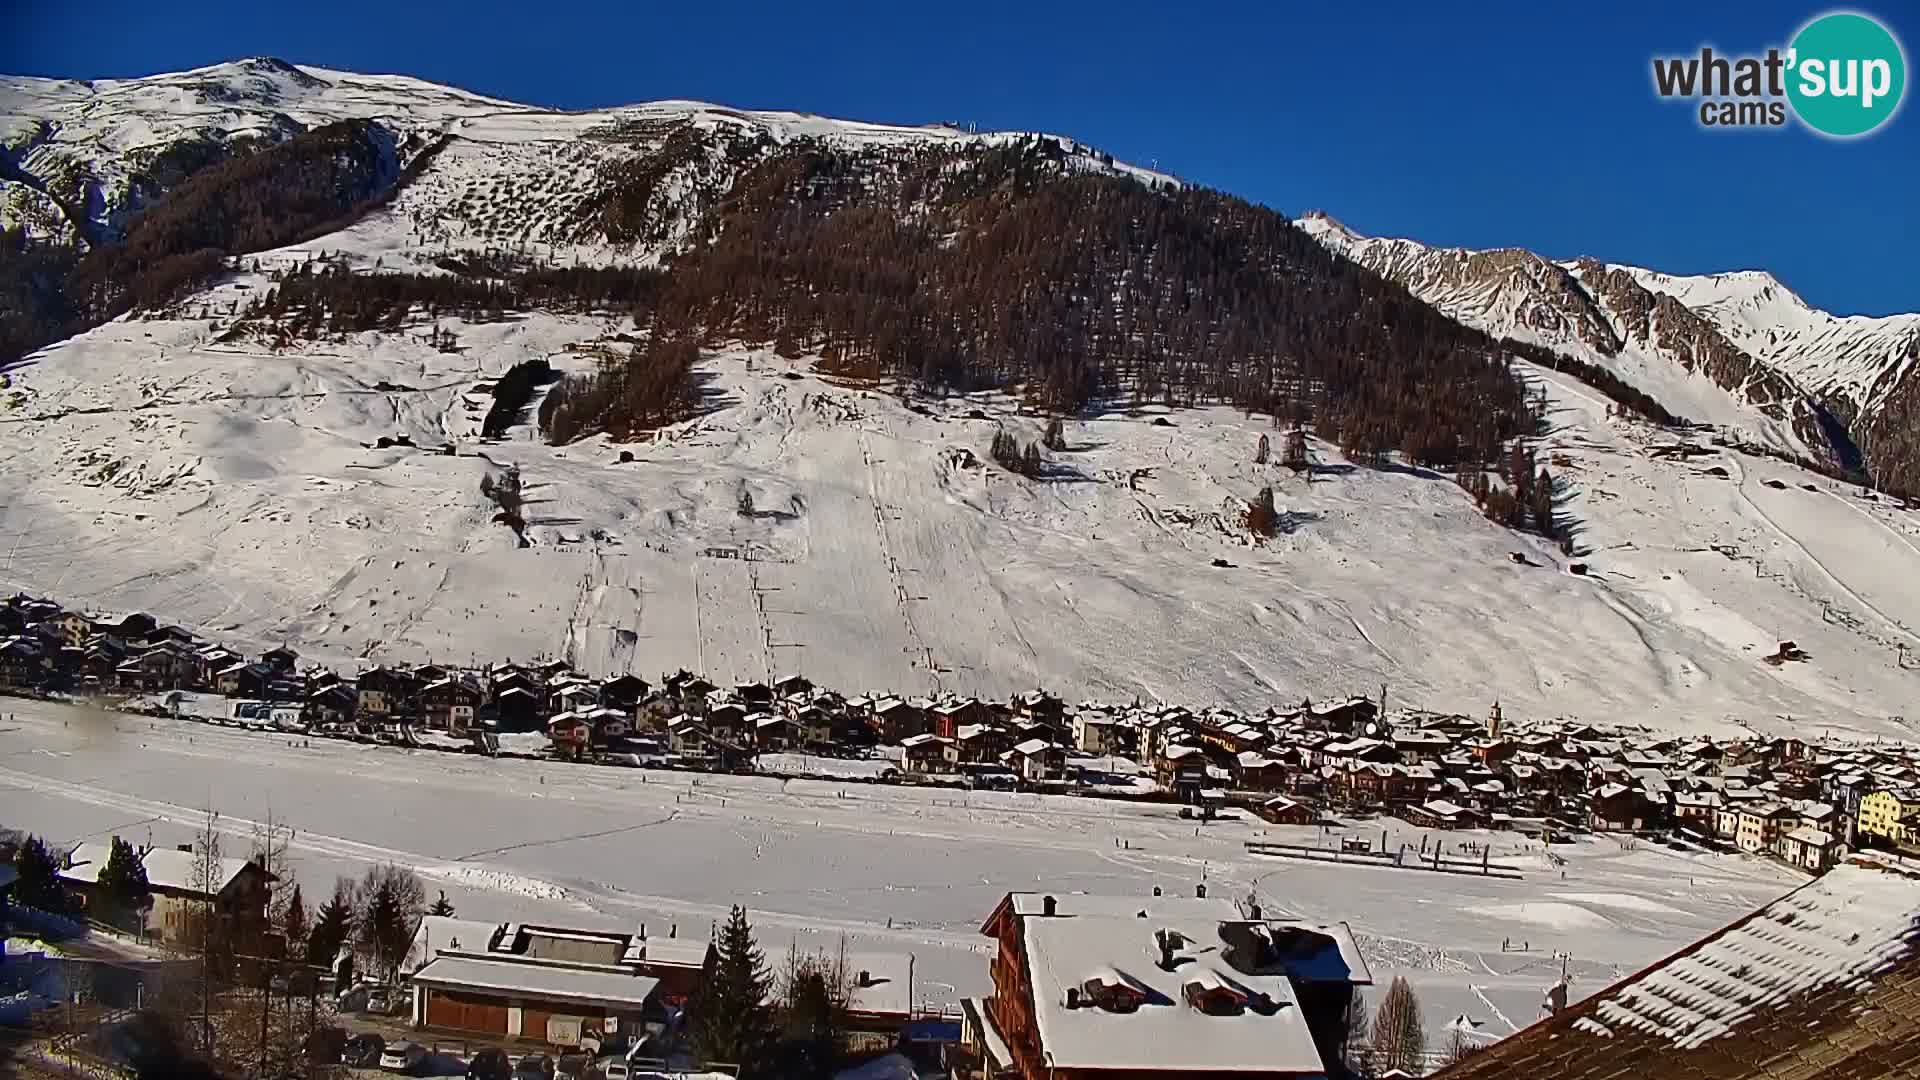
[799, 523]
[860, 535]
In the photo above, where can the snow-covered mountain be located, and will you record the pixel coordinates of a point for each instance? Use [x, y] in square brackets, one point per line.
[1739, 350]
[257, 486]
[517, 172]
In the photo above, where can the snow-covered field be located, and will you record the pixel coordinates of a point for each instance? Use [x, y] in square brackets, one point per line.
[235, 490]
[890, 869]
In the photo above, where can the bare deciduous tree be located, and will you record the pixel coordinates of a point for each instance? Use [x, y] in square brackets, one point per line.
[1399, 1041]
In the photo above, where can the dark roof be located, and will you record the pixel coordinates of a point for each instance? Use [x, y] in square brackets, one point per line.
[1822, 984]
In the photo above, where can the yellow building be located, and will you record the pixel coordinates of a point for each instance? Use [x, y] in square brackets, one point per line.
[1886, 814]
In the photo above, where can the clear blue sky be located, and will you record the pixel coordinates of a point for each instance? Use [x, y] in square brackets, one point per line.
[1496, 123]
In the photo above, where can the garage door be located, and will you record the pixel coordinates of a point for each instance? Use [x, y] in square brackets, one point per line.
[464, 1012]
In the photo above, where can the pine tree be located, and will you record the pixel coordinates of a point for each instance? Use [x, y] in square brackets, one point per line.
[733, 1022]
[293, 922]
[38, 885]
[1399, 1040]
[123, 886]
[334, 926]
[441, 906]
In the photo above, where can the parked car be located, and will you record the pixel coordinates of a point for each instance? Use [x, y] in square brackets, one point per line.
[363, 1051]
[490, 1064]
[534, 1067]
[406, 1058]
[379, 1001]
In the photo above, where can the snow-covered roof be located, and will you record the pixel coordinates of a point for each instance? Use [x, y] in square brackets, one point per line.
[540, 981]
[887, 986]
[1845, 928]
[444, 933]
[1063, 953]
[167, 868]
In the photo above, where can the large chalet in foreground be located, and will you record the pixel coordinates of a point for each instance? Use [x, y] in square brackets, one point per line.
[1115, 988]
[1821, 984]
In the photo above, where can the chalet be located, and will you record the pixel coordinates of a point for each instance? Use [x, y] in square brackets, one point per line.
[727, 722]
[242, 680]
[813, 728]
[1039, 705]
[1091, 987]
[981, 743]
[331, 706]
[1441, 814]
[894, 719]
[572, 695]
[126, 630]
[623, 692]
[792, 685]
[449, 704]
[571, 734]
[180, 881]
[754, 695]
[771, 731]
[384, 696]
[928, 754]
[1036, 760]
[516, 708]
[608, 724]
[1345, 716]
[1372, 783]
[1619, 808]
[687, 736]
[23, 662]
[281, 660]
[1258, 772]
[162, 667]
[689, 690]
[946, 718]
[1284, 811]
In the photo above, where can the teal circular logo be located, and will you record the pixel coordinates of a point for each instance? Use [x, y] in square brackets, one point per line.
[1846, 74]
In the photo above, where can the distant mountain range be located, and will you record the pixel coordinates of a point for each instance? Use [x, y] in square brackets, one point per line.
[1738, 349]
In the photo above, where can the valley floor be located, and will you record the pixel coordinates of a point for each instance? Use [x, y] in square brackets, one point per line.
[815, 862]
